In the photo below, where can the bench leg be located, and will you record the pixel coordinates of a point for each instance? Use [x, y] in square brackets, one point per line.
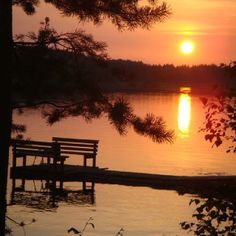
[84, 186]
[88, 188]
[94, 161]
[62, 163]
[62, 173]
[23, 180]
[90, 157]
[14, 162]
[92, 186]
[61, 185]
[53, 192]
[13, 188]
[85, 161]
[13, 170]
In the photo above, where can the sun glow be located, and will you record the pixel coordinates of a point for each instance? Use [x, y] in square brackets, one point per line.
[184, 114]
[187, 47]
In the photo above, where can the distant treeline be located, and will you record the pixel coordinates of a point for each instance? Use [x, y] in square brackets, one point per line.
[38, 76]
[131, 76]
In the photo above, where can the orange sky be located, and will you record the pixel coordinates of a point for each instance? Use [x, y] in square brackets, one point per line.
[210, 24]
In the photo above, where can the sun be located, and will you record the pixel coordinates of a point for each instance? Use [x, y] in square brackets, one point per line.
[187, 47]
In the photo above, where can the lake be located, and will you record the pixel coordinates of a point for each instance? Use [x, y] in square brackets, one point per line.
[139, 210]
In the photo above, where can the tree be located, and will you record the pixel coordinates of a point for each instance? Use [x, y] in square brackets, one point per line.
[124, 14]
[220, 124]
[220, 115]
[5, 101]
[76, 94]
[212, 217]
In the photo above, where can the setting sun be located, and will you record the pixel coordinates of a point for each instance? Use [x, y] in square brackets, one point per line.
[187, 47]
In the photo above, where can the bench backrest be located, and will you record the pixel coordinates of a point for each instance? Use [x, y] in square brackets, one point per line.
[76, 146]
[33, 148]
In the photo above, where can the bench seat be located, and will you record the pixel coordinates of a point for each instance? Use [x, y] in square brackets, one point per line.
[29, 148]
[78, 147]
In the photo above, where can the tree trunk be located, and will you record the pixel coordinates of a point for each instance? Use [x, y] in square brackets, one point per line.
[6, 44]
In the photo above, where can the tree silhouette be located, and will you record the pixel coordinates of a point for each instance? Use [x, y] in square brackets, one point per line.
[220, 115]
[5, 101]
[215, 215]
[220, 124]
[212, 217]
[82, 97]
[124, 14]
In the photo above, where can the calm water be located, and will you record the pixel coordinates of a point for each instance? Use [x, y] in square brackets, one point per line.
[139, 210]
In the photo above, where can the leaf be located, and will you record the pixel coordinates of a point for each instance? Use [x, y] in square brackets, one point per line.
[197, 201]
[191, 201]
[119, 233]
[218, 142]
[209, 137]
[230, 109]
[213, 214]
[198, 216]
[204, 100]
[222, 218]
[185, 225]
[209, 125]
[92, 225]
[74, 230]
[222, 120]
[200, 209]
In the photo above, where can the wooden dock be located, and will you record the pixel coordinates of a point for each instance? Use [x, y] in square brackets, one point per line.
[57, 151]
[182, 184]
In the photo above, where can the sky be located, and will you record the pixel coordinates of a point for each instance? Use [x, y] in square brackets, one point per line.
[209, 24]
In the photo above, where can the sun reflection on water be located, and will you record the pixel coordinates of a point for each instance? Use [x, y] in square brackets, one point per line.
[184, 114]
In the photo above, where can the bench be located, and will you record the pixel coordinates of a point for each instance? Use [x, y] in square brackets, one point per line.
[24, 148]
[78, 147]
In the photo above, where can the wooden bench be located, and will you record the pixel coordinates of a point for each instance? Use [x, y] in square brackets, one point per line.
[78, 147]
[29, 148]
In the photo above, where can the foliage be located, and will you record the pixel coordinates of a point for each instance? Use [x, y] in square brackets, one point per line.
[125, 14]
[214, 217]
[135, 76]
[120, 232]
[89, 223]
[37, 74]
[120, 115]
[220, 114]
[220, 120]
[153, 127]
[78, 95]
[126, 75]
[81, 232]
[27, 6]
[230, 68]
[18, 130]
[21, 224]
[77, 42]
